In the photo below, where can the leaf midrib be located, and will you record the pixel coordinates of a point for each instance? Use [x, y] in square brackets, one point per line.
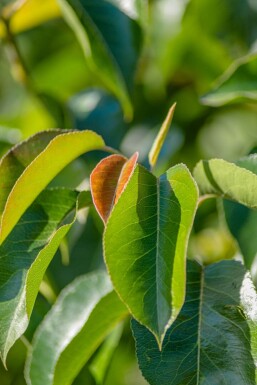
[157, 252]
[199, 327]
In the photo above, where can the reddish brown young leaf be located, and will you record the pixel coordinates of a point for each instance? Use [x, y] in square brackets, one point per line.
[126, 172]
[108, 180]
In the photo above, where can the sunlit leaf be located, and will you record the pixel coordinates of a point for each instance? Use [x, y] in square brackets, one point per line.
[110, 41]
[27, 169]
[231, 181]
[24, 256]
[84, 314]
[145, 244]
[213, 341]
[161, 136]
[31, 14]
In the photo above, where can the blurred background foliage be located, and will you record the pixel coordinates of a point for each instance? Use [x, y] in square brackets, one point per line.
[115, 67]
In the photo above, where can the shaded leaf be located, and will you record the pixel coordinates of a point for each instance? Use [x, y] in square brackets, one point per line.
[237, 84]
[25, 256]
[231, 181]
[100, 363]
[57, 360]
[110, 41]
[145, 244]
[213, 341]
[28, 168]
[108, 180]
[242, 223]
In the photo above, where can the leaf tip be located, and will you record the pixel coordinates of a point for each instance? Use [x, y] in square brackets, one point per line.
[161, 136]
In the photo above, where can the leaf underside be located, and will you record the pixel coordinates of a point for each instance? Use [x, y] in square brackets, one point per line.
[237, 182]
[64, 342]
[242, 223]
[214, 339]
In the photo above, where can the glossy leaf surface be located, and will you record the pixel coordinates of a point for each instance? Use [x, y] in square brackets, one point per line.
[231, 181]
[86, 311]
[214, 339]
[26, 170]
[24, 257]
[108, 180]
[237, 84]
[145, 244]
[110, 41]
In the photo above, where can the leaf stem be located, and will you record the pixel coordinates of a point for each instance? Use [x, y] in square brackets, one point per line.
[204, 197]
[111, 150]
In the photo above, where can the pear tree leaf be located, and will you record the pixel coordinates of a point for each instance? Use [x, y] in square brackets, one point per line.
[25, 255]
[213, 340]
[161, 136]
[99, 366]
[232, 181]
[108, 180]
[110, 40]
[28, 168]
[242, 223]
[84, 314]
[237, 84]
[28, 13]
[145, 243]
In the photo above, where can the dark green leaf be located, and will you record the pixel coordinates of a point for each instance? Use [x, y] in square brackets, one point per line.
[84, 314]
[213, 341]
[145, 244]
[110, 41]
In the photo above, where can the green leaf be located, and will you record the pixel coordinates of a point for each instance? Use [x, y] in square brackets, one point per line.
[145, 243]
[136, 9]
[84, 314]
[25, 256]
[28, 168]
[110, 41]
[231, 181]
[237, 84]
[213, 341]
[242, 223]
[100, 363]
[161, 136]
